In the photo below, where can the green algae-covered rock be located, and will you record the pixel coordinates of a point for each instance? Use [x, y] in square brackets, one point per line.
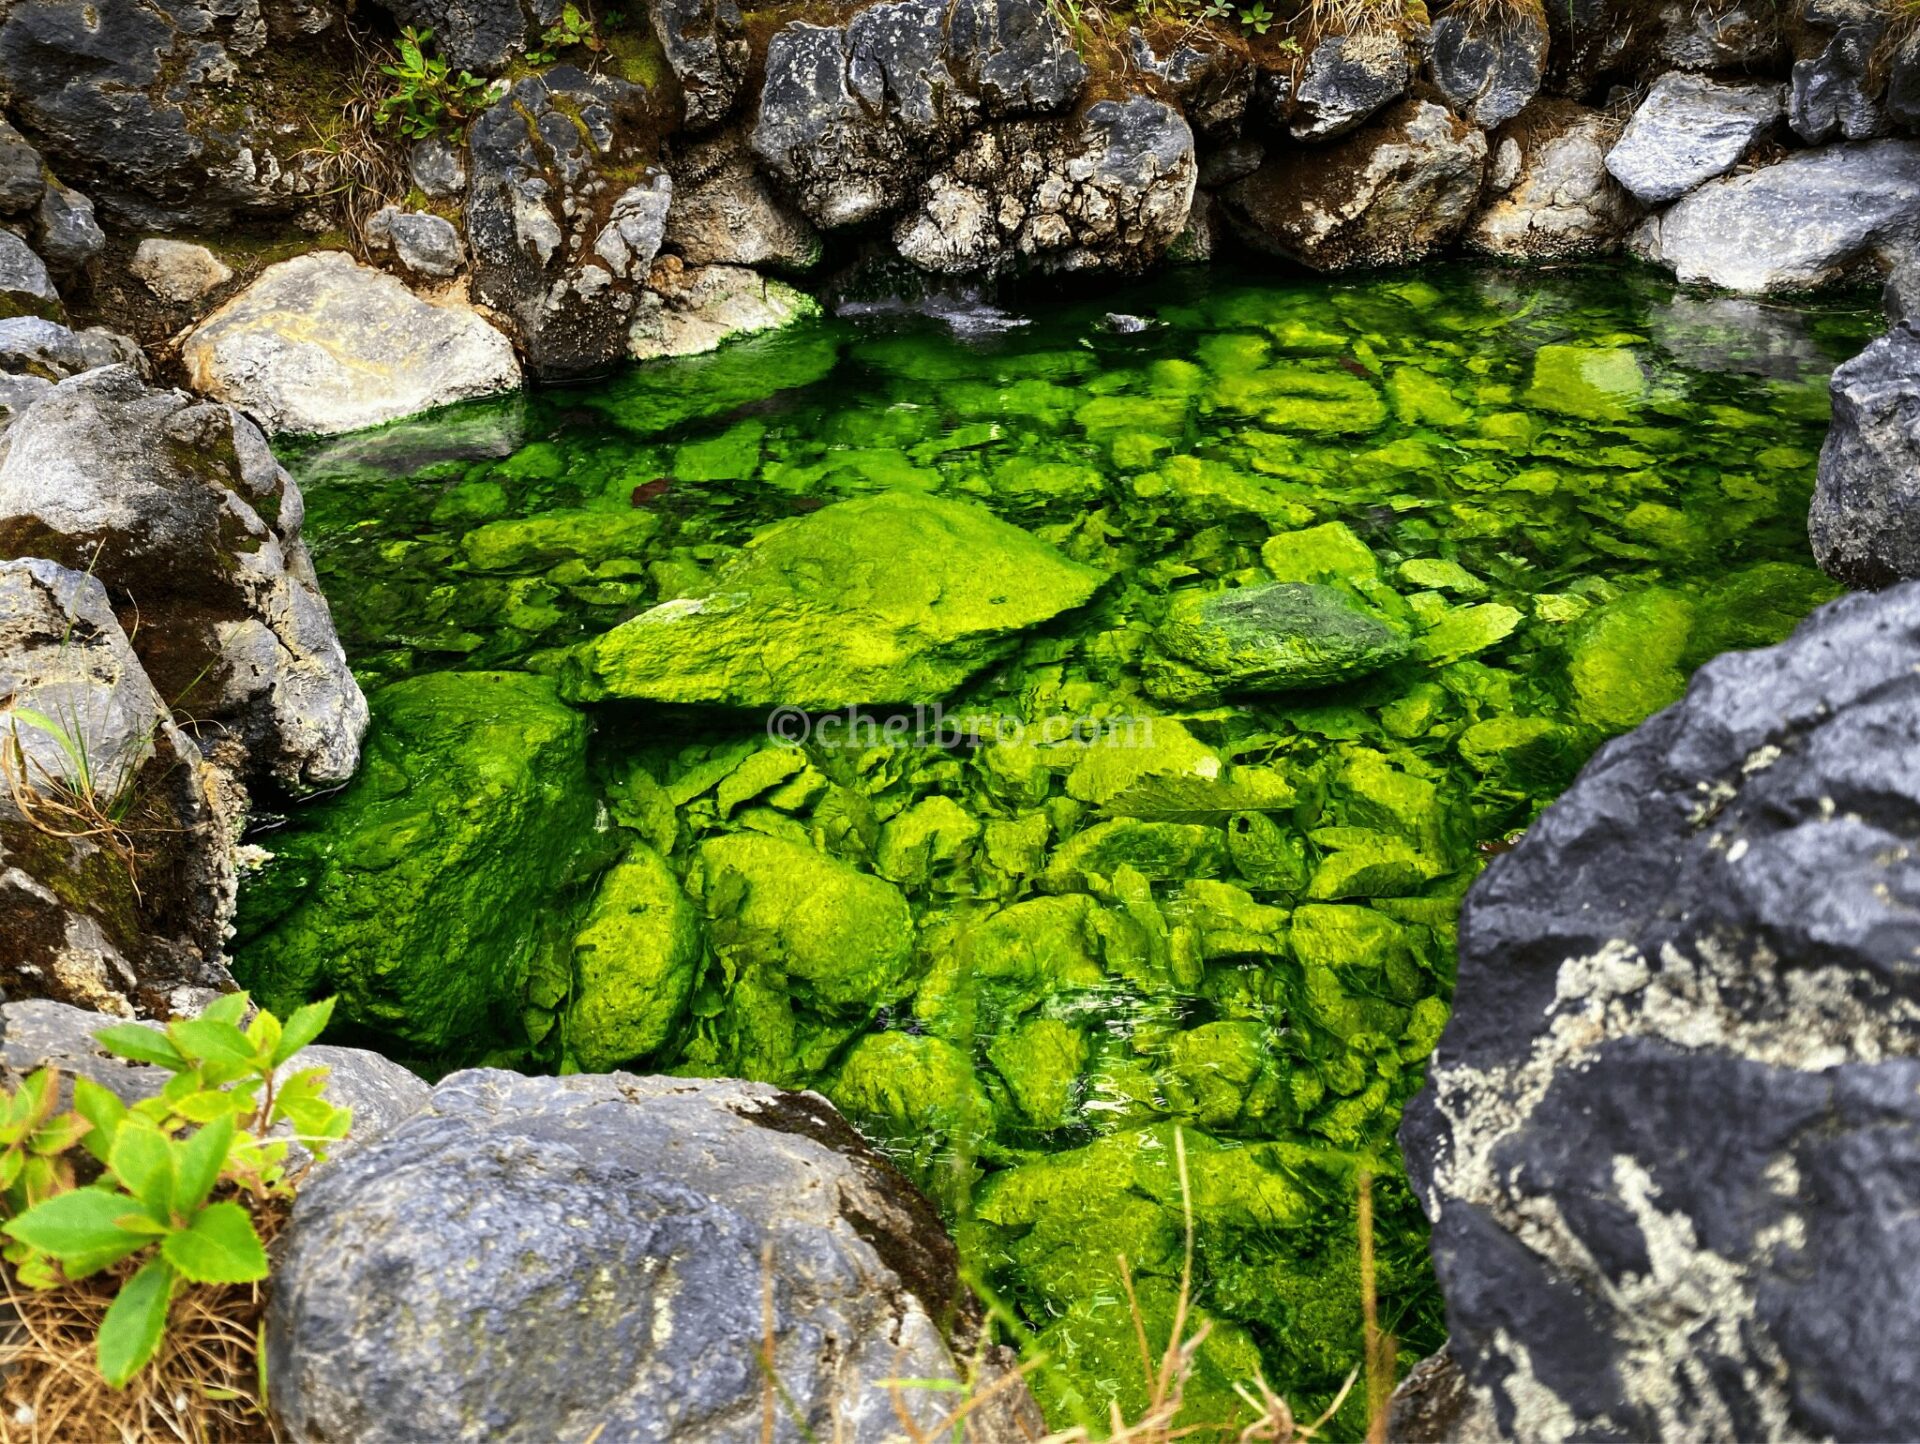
[635, 960]
[1275, 638]
[917, 1098]
[1596, 383]
[558, 536]
[1329, 552]
[1626, 657]
[1040, 1061]
[889, 598]
[433, 892]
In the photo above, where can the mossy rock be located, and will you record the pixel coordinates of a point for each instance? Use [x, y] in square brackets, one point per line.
[917, 1098]
[1276, 638]
[889, 598]
[433, 892]
[635, 959]
[558, 536]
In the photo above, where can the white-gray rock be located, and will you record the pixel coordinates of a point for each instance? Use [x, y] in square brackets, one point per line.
[25, 286]
[65, 231]
[423, 243]
[178, 271]
[532, 1259]
[1687, 131]
[1900, 297]
[689, 310]
[121, 921]
[322, 344]
[1817, 217]
[438, 167]
[17, 393]
[34, 346]
[178, 506]
[1555, 198]
[630, 239]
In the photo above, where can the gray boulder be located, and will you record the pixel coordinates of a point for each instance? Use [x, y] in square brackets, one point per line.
[1815, 218]
[64, 230]
[1396, 190]
[321, 344]
[40, 1034]
[1109, 191]
[724, 213]
[119, 877]
[706, 44]
[1668, 1134]
[1865, 518]
[423, 243]
[120, 95]
[852, 118]
[1689, 130]
[1554, 197]
[23, 174]
[537, 204]
[1347, 79]
[537, 1259]
[1213, 82]
[1488, 66]
[1834, 94]
[689, 310]
[35, 347]
[25, 287]
[179, 508]
[1747, 35]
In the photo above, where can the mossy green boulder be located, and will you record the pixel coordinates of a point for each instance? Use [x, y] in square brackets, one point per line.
[635, 960]
[1273, 638]
[434, 898]
[896, 597]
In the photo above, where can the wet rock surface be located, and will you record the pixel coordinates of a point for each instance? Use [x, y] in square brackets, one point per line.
[179, 508]
[1714, 924]
[659, 1213]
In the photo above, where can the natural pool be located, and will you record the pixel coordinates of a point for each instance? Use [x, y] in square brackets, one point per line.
[1105, 881]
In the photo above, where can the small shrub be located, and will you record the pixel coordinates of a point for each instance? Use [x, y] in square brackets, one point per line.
[431, 96]
[184, 1175]
[574, 30]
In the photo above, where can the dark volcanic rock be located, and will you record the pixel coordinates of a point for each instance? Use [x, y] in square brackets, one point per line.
[1865, 519]
[1670, 1133]
[530, 1259]
[557, 208]
[706, 44]
[1488, 66]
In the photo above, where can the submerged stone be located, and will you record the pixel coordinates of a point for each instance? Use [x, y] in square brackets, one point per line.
[1274, 638]
[427, 899]
[635, 959]
[888, 598]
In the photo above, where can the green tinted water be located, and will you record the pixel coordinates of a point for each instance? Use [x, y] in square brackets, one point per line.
[1019, 964]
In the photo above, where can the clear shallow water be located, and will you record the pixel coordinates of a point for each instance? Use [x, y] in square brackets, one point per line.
[1567, 489]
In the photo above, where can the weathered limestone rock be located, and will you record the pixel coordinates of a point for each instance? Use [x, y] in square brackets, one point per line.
[1689, 130]
[1817, 217]
[1109, 191]
[534, 1258]
[1900, 298]
[64, 230]
[1747, 35]
[23, 174]
[538, 204]
[34, 347]
[38, 1034]
[724, 213]
[706, 44]
[1394, 191]
[1834, 94]
[25, 287]
[1212, 82]
[179, 508]
[17, 393]
[1662, 1133]
[119, 917]
[439, 168]
[178, 271]
[1347, 79]
[689, 310]
[1556, 198]
[425, 244]
[636, 222]
[1865, 519]
[322, 344]
[833, 608]
[851, 118]
[1489, 67]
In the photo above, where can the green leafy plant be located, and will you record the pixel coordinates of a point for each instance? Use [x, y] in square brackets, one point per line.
[430, 95]
[1256, 17]
[573, 30]
[176, 1166]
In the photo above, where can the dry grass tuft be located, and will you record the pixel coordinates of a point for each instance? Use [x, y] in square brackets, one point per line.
[204, 1386]
[354, 168]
